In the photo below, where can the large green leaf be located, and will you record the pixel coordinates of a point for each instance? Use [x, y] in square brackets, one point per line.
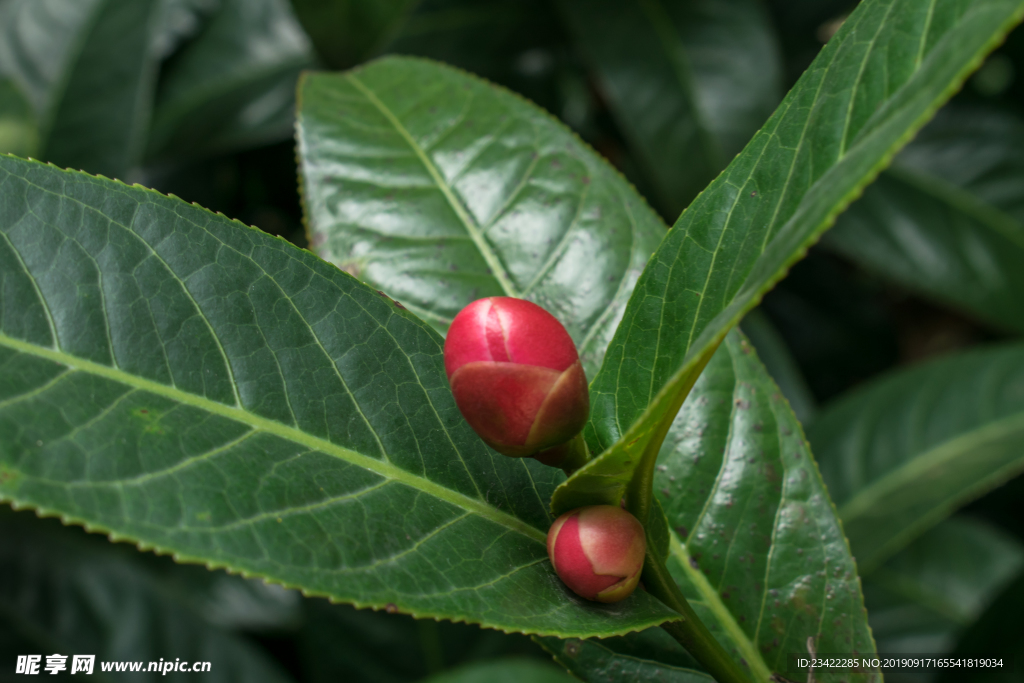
[924, 595]
[234, 85]
[946, 221]
[756, 545]
[173, 377]
[873, 85]
[650, 655]
[690, 83]
[60, 593]
[901, 453]
[440, 188]
[88, 68]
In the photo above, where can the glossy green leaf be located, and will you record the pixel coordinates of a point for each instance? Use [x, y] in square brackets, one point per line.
[503, 671]
[756, 545]
[89, 71]
[60, 593]
[947, 220]
[173, 377]
[439, 189]
[874, 84]
[650, 655]
[690, 83]
[901, 453]
[922, 597]
[996, 635]
[233, 85]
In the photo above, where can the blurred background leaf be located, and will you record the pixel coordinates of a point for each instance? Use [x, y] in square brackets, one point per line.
[339, 641]
[996, 634]
[689, 83]
[945, 221]
[922, 598]
[232, 86]
[89, 70]
[904, 451]
[64, 592]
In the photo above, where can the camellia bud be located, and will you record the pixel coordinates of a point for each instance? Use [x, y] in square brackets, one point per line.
[598, 552]
[516, 377]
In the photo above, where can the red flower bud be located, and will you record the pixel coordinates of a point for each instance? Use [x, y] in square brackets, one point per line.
[516, 376]
[598, 552]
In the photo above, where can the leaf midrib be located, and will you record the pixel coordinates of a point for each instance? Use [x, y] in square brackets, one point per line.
[256, 422]
[713, 601]
[494, 263]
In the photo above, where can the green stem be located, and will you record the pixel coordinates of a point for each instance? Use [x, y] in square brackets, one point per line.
[690, 631]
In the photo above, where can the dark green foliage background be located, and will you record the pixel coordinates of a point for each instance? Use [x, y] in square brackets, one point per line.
[927, 266]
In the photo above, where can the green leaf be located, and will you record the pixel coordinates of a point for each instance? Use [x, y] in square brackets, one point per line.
[689, 83]
[901, 453]
[440, 189]
[173, 377]
[233, 86]
[756, 544]
[945, 222]
[650, 655]
[503, 671]
[61, 593]
[923, 596]
[89, 70]
[874, 84]
[996, 635]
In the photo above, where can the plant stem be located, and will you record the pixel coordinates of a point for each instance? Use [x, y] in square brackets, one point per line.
[570, 456]
[690, 631]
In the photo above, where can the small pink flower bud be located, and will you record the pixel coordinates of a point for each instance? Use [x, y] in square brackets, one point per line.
[516, 376]
[598, 552]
